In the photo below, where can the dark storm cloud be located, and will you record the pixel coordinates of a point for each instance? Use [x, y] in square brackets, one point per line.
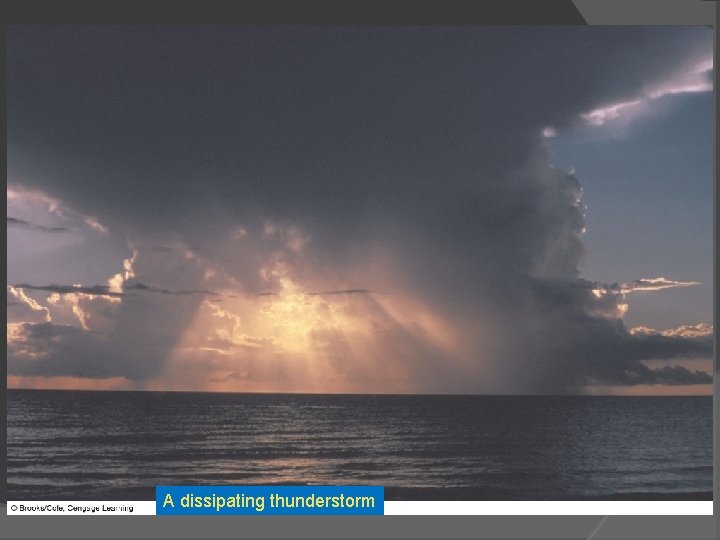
[54, 349]
[337, 123]
[557, 334]
[652, 347]
[676, 375]
[47, 349]
[411, 158]
[603, 351]
[23, 224]
[636, 373]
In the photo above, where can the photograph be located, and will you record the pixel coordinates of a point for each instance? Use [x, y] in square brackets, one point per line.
[460, 262]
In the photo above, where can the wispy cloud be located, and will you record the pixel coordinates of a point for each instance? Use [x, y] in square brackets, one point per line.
[339, 291]
[602, 115]
[654, 284]
[95, 224]
[322, 293]
[691, 331]
[640, 285]
[694, 79]
[18, 194]
[150, 288]
[95, 290]
[699, 330]
[23, 224]
[105, 290]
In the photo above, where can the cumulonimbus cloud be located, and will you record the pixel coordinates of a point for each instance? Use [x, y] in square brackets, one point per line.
[411, 161]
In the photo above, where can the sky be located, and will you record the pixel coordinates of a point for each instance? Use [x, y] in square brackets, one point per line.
[498, 210]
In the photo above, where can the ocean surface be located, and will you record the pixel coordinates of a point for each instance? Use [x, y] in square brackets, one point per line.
[119, 445]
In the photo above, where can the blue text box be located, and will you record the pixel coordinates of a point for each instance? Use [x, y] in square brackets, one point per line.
[269, 500]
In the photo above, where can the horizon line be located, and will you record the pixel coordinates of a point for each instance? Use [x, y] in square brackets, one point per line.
[361, 394]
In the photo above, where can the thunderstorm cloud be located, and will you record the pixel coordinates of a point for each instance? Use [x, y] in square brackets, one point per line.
[375, 207]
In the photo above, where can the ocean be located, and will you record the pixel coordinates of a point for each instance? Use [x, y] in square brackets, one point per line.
[65, 445]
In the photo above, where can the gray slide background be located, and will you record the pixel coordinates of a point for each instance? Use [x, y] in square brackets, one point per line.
[560, 527]
[647, 11]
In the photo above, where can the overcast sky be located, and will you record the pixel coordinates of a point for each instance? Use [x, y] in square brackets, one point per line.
[360, 209]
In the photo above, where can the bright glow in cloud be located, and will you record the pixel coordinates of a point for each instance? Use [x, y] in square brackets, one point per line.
[690, 331]
[19, 195]
[640, 285]
[95, 224]
[30, 302]
[602, 115]
[115, 283]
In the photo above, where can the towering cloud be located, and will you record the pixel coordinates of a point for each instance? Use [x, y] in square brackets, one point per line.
[374, 208]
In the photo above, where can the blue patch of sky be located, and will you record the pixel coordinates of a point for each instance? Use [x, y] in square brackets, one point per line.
[648, 188]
